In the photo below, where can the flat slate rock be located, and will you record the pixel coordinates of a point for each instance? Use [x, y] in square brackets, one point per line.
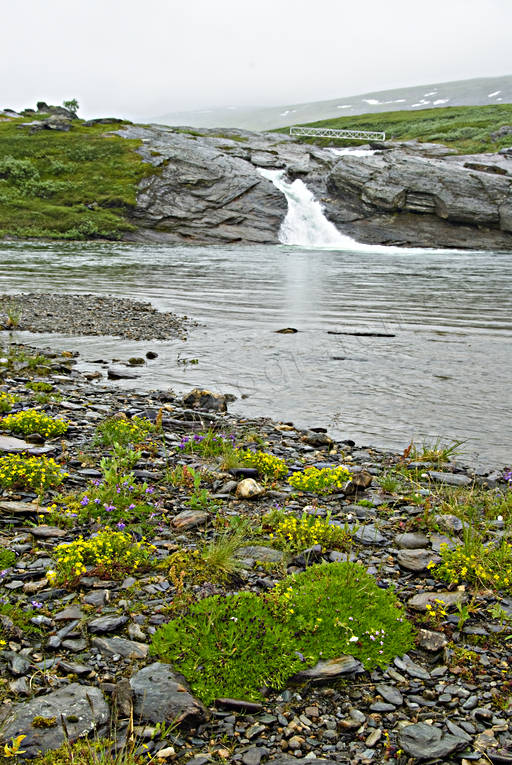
[411, 541]
[450, 599]
[17, 445]
[427, 742]
[189, 519]
[130, 649]
[106, 623]
[48, 532]
[416, 560]
[261, 553]
[369, 535]
[328, 670]
[450, 479]
[82, 706]
[159, 696]
[22, 508]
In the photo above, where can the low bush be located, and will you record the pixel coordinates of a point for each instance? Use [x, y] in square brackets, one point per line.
[121, 430]
[484, 565]
[7, 401]
[21, 471]
[7, 558]
[297, 534]
[32, 421]
[108, 554]
[233, 645]
[208, 444]
[320, 480]
[266, 464]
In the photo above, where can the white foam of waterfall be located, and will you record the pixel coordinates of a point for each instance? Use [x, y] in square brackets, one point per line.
[348, 152]
[305, 224]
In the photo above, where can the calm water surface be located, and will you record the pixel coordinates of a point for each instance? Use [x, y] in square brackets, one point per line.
[445, 374]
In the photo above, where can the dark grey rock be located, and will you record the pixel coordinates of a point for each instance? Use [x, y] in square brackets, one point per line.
[431, 641]
[130, 649]
[106, 624]
[189, 519]
[428, 742]
[449, 522]
[416, 560]
[390, 693]
[160, 696]
[450, 599]
[82, 707]
[260, 553]
[411, 541]
[328, 670]
[205, 399]
[450, 479]
[369, 535]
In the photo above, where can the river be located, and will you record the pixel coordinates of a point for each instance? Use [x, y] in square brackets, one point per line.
[445, 373]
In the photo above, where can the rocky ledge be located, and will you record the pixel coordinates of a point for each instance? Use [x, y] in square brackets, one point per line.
[207, 189]
[75, 660]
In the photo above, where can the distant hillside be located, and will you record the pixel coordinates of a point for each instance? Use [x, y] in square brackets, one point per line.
[476, 92]
[466, 129]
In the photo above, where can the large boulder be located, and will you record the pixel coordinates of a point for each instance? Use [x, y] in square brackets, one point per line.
[420, 199]
[161, 696]
[202, 193]
[81, 708]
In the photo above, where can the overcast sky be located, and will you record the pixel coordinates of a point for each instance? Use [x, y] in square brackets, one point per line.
[147, 57]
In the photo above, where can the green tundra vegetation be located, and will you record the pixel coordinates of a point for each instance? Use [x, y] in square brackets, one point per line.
[467, 129]
[79, 184]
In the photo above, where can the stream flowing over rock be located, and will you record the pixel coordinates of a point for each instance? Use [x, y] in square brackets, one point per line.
[208, 189]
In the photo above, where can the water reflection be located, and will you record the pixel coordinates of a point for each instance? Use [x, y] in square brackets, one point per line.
[446, 372]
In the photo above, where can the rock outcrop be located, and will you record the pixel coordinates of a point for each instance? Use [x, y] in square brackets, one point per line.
[207, 188]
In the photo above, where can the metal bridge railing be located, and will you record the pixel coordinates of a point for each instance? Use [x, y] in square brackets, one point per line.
[367, 135]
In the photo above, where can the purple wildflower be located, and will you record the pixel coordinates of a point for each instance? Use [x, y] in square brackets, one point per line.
[121, 525]
[131, 507]
[109, 508]
[35, 604]
[84, 501]
[149, 490]
[97, 501]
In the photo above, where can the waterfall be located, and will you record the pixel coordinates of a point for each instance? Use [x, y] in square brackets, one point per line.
[305, 224]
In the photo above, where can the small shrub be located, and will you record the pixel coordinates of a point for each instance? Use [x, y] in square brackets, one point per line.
[117, 497]
[320, 480]
[477, 563]
[234, 645]
[40, 387]
[38, 473]
[32, 421]
[7, 558]
[296, 534]
[229, 646]
[339, 608]
[265, 463]
[7, 401]
[121, 430]
[109, 555]
[209, 444]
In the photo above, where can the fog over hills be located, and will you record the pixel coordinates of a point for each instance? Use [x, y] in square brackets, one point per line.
[476, 92]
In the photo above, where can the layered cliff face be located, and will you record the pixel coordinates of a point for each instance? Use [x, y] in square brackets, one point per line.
[207, 189]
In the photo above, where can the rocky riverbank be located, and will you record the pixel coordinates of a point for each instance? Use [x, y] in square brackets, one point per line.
[89, 315]
[80, 651]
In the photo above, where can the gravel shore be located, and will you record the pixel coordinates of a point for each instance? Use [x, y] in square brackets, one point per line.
[447, 700]
[90, 315]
